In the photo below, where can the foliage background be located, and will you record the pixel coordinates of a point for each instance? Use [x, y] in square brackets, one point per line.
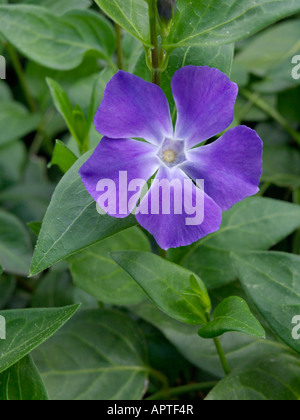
[120, 344]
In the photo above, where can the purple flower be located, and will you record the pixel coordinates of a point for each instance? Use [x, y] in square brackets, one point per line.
[231, 166]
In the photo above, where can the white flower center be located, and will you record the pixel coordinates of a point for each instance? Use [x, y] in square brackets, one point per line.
[172, 152]
[169, 156]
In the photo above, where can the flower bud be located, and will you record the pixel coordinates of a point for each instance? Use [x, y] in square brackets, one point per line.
[166, 9]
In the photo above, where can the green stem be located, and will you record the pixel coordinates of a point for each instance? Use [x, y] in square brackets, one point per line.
[119, 46]
[264, 106]
[264, 188]
[19, 71]
[220, 351]
[182, 390]
[156, 74]
[222, 356]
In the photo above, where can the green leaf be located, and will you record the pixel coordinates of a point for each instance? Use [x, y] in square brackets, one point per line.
[281, 163]
[35, 227]
[272, 280]
[57, 42]
[254, 224]
[59, 7]
[22, 382]
[15, 246]
[26, 329]
[56, 290]
[63, 105]
[5, 92]
[12, 159]
[63, 157]
[131, 15]
[233, 314]
[15, 121]
[217, 23]
[7, 288]
[99, 355]
[165, 284]
[276, 65]
[240, 349]
[266, 379]
[72, 222]
[95, 272]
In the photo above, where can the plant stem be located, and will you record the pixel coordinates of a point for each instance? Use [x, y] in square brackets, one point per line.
[156, 74]
[273, 113]
[182, 390]
[19, 71]
[119, 46]
[222, 356]
[264, 188]
[220, 351]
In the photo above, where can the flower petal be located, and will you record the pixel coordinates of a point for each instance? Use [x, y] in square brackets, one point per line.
[205, 99]
[231, 166]
[132, 107]
[187, 202]
[135, 159]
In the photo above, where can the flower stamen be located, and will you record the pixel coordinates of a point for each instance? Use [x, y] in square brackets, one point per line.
[169, 156]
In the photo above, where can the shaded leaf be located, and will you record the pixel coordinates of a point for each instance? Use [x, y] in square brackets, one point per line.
[72, 222]
[22, 382]
[94, 271]
[164, 283]
[272, 280]
[233, 314]
[26, 329]
[99, 355]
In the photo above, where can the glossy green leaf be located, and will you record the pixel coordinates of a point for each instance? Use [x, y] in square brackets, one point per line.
[60, 7]
[198, 23]
[266, 379]
[22, 382]
[95, 272]
[272, 280]
[26, 329]
[15, 121]
[164, 283]
[57, 42]
[99, 355]
[130, 14]
[72, 222]
[254, 224]
[217, 22]
[15, 246]
[233, 314]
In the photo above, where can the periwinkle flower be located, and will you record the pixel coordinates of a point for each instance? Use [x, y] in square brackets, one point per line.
[231, 166]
